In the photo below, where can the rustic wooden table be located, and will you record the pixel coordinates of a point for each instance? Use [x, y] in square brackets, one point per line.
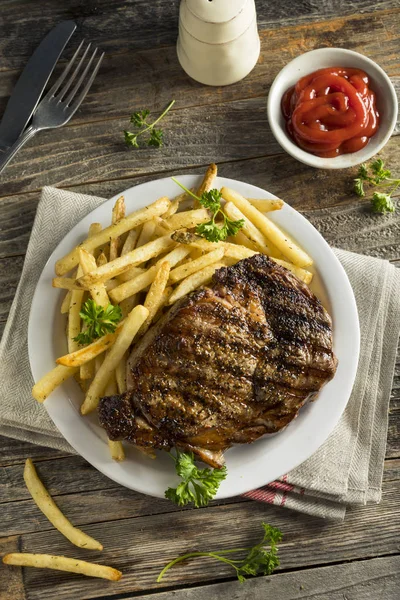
[357, 559]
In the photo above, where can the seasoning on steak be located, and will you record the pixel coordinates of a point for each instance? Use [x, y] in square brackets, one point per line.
[227, 364]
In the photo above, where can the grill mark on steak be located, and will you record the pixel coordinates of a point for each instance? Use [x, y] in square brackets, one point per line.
[227, 364]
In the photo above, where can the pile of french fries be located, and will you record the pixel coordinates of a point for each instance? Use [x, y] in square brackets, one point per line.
[144, 262]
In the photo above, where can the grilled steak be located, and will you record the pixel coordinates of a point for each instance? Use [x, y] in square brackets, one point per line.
[227, 364]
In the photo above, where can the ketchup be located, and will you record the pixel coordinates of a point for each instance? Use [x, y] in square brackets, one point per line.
[331, 111]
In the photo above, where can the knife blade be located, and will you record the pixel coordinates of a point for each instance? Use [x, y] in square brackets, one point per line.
[31, 83]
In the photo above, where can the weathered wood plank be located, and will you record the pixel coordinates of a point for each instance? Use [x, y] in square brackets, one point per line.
[368, 531]
[12, 583]
[15, 452]
[136, 24]
[158, 76]
[280, 174]
[363, 580]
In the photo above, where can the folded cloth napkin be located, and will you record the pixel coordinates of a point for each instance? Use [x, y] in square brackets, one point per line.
[348, 467]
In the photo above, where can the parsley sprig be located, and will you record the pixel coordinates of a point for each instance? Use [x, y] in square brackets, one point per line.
[98, 321]
[211, 230]
[139, 120]
[376, 175]
[258, 560]
[198, 485]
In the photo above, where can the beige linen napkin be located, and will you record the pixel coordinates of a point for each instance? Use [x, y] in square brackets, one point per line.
[348, 467]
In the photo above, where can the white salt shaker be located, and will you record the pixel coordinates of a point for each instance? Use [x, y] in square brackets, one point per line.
[218, 41]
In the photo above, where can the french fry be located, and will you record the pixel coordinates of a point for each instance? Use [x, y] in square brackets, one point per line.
[118, 213]
[65, 283]
[101, 260]
[120, 374]
[207, 183]
[188, 219]
[130, 242]
[196, 265]
[131, 326]
[86, 371]
[154, 295]
[94, 228]
[87, 353]
[116, 450]
[173, 208]
[284, 244]
[194, 281]
[145, 279]
[161, 227]
[242, 240]
[65, 303]
[111, 387]
[70, 260]
[48, 383]
[147, 233]
[266, 205]
[302, 274]
[128, 304]
[98, 290]
[74, 319]
[130, 274]
[248, 228]
[61, 563]
[46, 504]
[123, 263]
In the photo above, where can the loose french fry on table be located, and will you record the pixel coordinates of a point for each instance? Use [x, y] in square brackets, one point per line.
[248, 228]
[188, 219]
[194, 281]
[147, 233]
[131, 326]
[48, 383]
[196, 265]
[65, 303]
[267, 205]
[142, 281]
[154, 295]
[130, 242]
[46, 504]
[70, 260]
[123, 263]
[116, 450]
[273, 234]
[61, 563]
[87, 353]
[118, 213]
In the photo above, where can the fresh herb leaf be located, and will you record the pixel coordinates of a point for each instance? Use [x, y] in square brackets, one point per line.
[375, 174]
[258, 561]
[198, 485]
[211, 230]
[382, 203]
[359, 187]
[139, 120]
[98, 321]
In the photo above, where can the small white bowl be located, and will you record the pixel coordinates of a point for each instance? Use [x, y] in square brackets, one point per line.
[333, 57]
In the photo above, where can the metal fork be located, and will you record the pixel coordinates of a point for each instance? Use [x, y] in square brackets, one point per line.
[58, 106]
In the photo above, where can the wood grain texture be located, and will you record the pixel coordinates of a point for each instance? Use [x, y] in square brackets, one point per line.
[126, 25]
[367, 580]
[150, 77]
[279, 174]
[129, 544]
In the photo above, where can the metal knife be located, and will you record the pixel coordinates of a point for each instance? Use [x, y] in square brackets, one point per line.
[32, 82]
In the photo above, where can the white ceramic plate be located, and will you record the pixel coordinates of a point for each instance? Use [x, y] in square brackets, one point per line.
[249, 466]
